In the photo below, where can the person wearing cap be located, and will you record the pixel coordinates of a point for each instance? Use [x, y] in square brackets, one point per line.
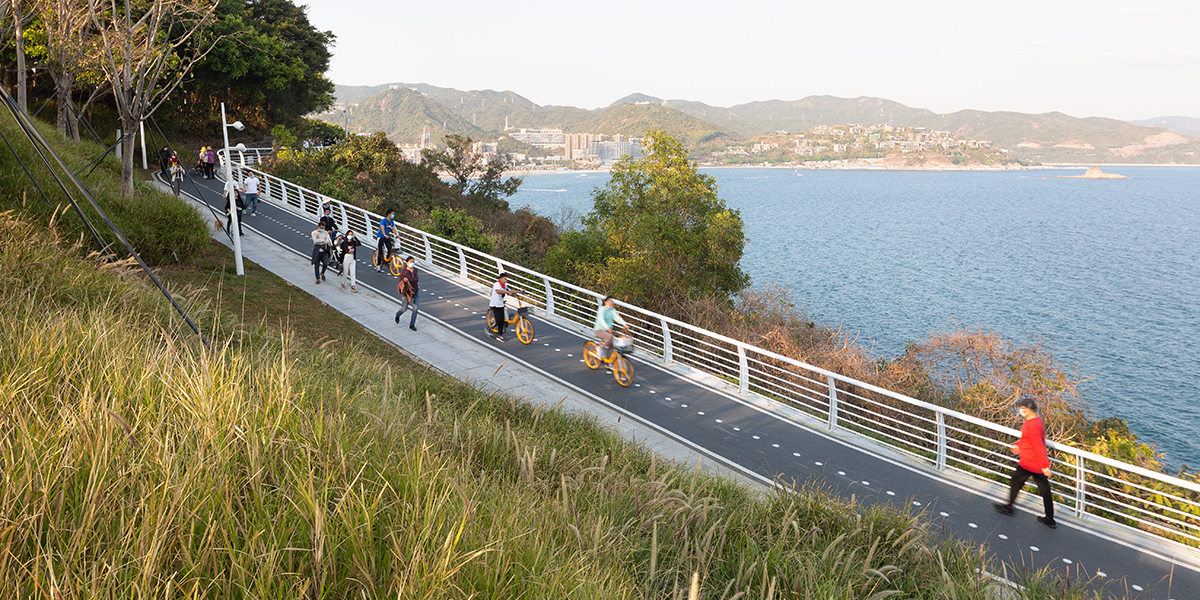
[410, 289]
[500, 289]
[1033, 462]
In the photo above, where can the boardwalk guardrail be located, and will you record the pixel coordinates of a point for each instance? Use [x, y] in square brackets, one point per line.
[1085, 483]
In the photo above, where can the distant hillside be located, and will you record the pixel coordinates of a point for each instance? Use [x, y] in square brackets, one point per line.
[806, 113]
[403, 111]
[402, 114]
[1049, 137]
[1183, 125]
[634, 119]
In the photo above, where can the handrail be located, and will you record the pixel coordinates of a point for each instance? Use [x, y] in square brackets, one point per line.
[943, 438]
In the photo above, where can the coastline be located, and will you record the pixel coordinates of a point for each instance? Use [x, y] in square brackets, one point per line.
[861, 167]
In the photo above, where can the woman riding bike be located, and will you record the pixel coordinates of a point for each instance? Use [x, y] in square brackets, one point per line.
[606, 318]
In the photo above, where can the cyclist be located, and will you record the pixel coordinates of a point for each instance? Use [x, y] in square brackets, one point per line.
[384, 234]
[500, 289]
[606, 318]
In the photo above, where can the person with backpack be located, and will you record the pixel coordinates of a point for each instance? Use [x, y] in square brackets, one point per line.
[1033, 462]
[410, 291]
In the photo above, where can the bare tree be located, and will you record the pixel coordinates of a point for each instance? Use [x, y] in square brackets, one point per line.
[69, 37]
[145, 54]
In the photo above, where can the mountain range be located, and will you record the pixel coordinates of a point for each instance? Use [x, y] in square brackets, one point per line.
[403, 111]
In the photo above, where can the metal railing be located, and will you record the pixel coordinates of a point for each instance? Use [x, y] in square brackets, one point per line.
[944, 439]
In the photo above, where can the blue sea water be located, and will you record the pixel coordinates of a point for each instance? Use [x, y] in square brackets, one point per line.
[1106, 271]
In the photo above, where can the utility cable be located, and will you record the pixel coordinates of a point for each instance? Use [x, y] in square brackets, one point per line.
[129, 247]
[19, 116]
[187, 173]
[26, 169]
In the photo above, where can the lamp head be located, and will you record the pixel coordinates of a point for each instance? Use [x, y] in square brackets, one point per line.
[240, 147]
[237, 125]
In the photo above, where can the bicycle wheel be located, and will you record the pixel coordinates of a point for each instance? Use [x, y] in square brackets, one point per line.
[394, 266]
[491, 321]
[590, 358]
[524, 330]
[623, 371]
[374, 258]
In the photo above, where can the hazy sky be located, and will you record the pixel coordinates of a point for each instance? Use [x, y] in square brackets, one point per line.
[1113, 59]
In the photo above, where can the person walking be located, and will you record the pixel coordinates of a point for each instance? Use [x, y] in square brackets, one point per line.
[164, 161]
[320, 253]
[500, 290]
[383, 233]
[349, 248]
[250, 188]
[210, 160]
[409, 288]
[177, 174]
[1033, 462]
[229, 210]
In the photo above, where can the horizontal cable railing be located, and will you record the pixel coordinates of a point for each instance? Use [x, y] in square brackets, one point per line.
[1086, 483]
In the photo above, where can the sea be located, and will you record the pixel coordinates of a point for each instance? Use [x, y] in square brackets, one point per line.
[1106, 272]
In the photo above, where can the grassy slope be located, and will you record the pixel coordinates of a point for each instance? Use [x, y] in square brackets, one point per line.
[301, 455]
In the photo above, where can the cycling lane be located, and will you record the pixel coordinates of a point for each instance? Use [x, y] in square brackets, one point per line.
[739, 434]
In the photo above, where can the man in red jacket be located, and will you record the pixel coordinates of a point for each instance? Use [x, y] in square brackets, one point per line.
[1033, 462]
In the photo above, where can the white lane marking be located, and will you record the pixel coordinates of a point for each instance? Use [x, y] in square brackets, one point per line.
[1035, 548]
[891, 493]
[1003, 537]
[819, 464]
[915, 503]
[842, 473]
[944, 514]
[972, 526]
[719, 421]
[757, 438]
[795, 454]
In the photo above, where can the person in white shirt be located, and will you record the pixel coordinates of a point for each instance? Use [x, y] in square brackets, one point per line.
[250, 188]
[500, 289]
[321, 247]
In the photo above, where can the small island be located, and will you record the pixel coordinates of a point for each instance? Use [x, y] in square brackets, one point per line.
[1094, 173]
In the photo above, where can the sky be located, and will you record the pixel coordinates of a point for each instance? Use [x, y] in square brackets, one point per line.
[1101, 58]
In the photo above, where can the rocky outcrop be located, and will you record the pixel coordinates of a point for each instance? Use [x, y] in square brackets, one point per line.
[1095, 173]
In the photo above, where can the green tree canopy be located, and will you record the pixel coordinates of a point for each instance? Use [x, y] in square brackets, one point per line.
[268, 67]
[657, 234]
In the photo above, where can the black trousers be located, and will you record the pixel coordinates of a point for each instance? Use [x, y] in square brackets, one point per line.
[380, 257]
[498, 316]
[1020, 476]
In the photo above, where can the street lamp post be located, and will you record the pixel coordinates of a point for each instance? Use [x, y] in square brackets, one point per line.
[235, 226]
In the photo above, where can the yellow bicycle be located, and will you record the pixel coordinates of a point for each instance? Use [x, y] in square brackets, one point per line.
[395, 264]
[622, 367]
[519, 317]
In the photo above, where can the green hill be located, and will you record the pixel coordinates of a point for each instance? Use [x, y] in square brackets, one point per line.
[635, 119]
[403, 114]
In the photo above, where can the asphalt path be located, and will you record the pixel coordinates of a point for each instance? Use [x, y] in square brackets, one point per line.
[760, 444]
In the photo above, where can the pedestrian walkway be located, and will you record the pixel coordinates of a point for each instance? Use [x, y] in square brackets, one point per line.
[691, 417]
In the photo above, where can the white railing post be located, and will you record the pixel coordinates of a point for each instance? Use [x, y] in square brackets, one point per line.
[300, 192]
[941, 441]
[549, 298]
[428, 250]
[743, 371]
[462, 264]
[668, 350]
[1080, 486]
[499, 267]
[833, 400]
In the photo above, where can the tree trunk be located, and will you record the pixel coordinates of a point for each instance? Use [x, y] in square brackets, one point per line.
[62, 95]
[129, 128]
[22, 92]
